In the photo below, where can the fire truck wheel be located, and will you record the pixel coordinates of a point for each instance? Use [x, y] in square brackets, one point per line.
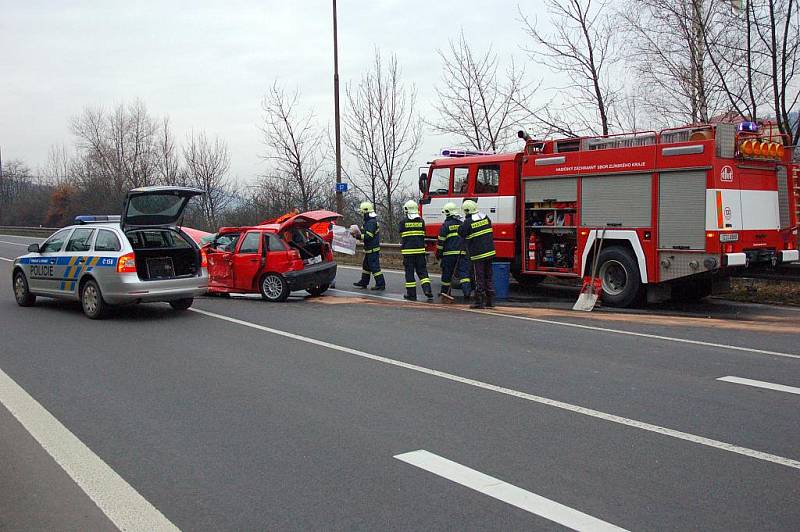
[619, 273]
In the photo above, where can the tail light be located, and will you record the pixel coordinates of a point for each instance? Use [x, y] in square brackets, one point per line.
[294, 254]
[203, 258]
[728, 248]
[126, 263]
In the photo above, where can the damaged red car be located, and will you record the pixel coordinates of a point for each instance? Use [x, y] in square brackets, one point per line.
[273, 259]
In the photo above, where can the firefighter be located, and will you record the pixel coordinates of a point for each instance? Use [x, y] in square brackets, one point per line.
[412, 247]
[450, 252]
[370, 234]
[477, 234]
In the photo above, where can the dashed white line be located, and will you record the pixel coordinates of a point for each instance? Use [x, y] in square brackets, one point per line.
[123, 505]
[503, 491]
[761, 384]
[693, 438]
[596, 328]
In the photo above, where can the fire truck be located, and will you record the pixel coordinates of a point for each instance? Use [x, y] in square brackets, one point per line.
[666, 213]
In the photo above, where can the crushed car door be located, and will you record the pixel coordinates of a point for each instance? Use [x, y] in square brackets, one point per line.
[220, 260]
[247, 261]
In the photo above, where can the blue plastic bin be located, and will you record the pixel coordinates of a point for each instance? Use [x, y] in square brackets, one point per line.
[501, 272]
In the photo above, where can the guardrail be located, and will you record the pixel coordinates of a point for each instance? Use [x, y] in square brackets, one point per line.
[43, 232]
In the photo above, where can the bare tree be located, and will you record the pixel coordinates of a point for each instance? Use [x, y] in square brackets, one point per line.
[671, 49]
[117, 147]
[475, 102]
[207, 163]
[294, 145]
[382, 133]
[167, 165]
[580, 47]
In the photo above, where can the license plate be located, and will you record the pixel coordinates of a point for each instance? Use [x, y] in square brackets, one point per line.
[729, 237]
[314, 260]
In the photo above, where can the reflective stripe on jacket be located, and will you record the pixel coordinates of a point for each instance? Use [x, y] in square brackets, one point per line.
[450, 243]
[477, 234]
[371, 234]
[412, 236]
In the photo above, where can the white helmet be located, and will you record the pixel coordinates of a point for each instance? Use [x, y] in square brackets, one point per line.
[450, 209]
[469, 207]
[411, 207]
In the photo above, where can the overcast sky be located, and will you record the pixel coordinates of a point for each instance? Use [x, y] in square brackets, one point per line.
[207, 64]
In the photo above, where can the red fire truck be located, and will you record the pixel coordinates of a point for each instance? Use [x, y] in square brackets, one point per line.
[667, 212]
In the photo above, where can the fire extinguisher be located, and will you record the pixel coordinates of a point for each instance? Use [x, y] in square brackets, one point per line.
[532, 247]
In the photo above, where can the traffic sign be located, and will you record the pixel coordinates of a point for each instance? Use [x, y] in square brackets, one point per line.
[341, 187]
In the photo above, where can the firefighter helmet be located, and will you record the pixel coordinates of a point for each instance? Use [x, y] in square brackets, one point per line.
[469, 207]
[410, 207]
[366, 207]
[450, 209]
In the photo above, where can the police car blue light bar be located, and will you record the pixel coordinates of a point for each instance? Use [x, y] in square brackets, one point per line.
[95, 218]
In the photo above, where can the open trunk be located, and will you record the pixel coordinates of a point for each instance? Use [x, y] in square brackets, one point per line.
[163, 254]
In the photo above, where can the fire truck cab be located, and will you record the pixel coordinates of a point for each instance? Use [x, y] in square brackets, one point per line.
[665, 212]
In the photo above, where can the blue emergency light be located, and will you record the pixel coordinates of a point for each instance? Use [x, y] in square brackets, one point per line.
[96, 218]
[747, 127]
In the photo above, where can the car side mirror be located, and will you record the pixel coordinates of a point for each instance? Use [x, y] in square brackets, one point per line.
[33, 248]
[423, 182]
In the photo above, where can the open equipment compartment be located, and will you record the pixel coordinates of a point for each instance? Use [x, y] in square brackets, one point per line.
[163, 254]
[551, 219]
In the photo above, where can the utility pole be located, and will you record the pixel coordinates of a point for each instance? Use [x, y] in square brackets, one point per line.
[337, 127]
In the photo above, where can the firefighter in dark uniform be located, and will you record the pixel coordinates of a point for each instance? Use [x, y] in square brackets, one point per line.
[451, 254]
[412, 246]
[477, 234]
[370, 234]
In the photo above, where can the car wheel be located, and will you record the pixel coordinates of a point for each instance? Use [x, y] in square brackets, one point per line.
[21, 292]
[318, 290]
[274, 287]
[182, 304]
[92, 300]
[619, 274]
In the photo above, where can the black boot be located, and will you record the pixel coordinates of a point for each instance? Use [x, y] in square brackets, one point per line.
[359, 285]
[409, 298]
[379, 287]
[478, 303]
[429, 294]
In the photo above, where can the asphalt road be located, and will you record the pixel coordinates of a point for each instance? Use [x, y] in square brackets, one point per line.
[248, 415]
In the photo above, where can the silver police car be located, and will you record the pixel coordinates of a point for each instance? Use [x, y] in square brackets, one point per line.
[139, 257]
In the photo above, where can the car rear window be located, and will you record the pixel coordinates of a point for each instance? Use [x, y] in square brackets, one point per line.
[156, 239]
[107, 241]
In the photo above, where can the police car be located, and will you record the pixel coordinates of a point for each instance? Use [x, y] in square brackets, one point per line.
[139, 257]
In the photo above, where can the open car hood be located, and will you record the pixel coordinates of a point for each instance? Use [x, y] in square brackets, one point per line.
[307, 219]
[156, 206]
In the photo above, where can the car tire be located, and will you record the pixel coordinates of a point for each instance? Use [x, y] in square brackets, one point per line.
[318, 290]
[182, 304]
[274, 288]
[21, 291]
[92, 300]
[619, 275]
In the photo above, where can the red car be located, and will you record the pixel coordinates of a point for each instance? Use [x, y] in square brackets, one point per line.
[272, 259]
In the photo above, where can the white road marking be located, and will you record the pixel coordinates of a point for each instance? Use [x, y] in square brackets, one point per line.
[595, 328]
[14, 243]
[761, 384]
[7, 260]
[503, 491]
[693, 438]
[123, 505]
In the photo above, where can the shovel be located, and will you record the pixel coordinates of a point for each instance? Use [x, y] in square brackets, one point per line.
[590, 292]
